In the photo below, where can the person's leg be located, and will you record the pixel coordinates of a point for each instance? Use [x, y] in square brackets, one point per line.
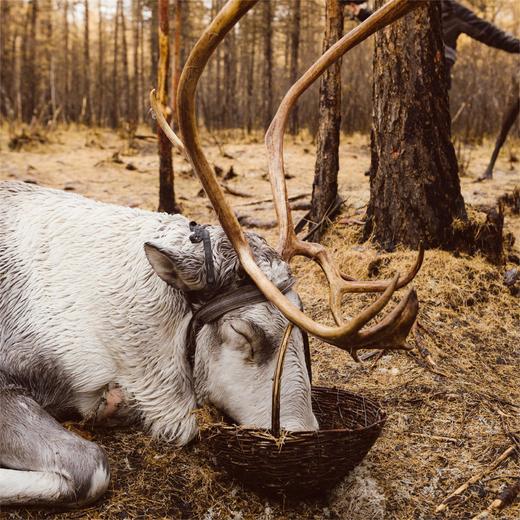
[508, 121]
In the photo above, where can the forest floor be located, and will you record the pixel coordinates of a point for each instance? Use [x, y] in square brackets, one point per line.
[449, 415]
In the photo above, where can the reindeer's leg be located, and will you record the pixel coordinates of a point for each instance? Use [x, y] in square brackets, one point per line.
[509, 118]
[43, 463]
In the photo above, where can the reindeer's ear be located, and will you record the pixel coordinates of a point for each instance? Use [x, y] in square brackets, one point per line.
[183, 271]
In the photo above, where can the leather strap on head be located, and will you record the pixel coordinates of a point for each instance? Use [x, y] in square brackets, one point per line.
[201, 234]
[227, 302]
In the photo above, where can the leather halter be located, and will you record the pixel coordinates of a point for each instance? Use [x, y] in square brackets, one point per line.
[230, 301]
[221, 304]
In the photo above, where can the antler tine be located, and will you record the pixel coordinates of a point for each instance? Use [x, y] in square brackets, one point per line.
[347, 336]
[165, 127]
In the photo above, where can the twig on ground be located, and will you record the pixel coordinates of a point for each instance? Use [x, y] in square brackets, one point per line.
[368, 355]
[380, 354]
[352, 221]
[437, 437]
[248, 221]
[270, 199]
[449, 499]
[419, 341]
[331, 211]
[235, 192]
[302, 222]
[506, 497]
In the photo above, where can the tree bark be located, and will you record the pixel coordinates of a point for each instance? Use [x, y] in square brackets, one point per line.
[66, 75]
[100, 70]
[268, 63]
[86, 70]
[166, 186]
[126, 74]
[250, 113]
[295, 46]
[177, 67]
[136, 4]
[154, 42]
[414, 186]
[29, 69]
[115, 83]
[4, 62]
[325, 185]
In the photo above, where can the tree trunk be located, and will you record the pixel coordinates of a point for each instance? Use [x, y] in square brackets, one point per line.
[100, 71]
[268, 63]
[325, 185]
[250, 114]
[126, 75]
[142, 96]
[135, 83]
[154, 42]
[166, 186]
[86, 70]
[115, 83]
[66, 75]
[29, 70]
[414, 185]
[50, 94]
[230, 94]
[4, 76]
[177, 67]
[295, 46]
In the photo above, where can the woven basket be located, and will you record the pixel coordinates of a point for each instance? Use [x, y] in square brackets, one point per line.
[301, 463]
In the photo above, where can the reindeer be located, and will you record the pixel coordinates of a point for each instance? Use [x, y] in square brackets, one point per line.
[111, 311]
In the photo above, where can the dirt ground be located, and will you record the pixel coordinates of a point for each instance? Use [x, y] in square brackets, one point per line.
[450, 414]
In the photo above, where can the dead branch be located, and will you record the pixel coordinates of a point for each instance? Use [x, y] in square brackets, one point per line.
[270, 199]
[145, 136]
[506, 497]
[446, 502]
[235, 192]
[331, 211]
[441, 438]
[423, 351]
[247, 220]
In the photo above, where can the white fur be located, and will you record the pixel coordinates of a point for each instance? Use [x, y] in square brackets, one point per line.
[26, 487]
[98, 483]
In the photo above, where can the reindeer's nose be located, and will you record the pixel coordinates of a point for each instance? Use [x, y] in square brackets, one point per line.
[309, 423]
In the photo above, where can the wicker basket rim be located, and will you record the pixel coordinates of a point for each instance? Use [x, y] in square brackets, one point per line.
[233, 428]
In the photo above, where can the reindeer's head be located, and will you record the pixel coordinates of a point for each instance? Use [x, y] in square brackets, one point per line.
[235, 333]
[388, 333]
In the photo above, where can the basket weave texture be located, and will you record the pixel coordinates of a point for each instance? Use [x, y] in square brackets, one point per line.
[302, 463]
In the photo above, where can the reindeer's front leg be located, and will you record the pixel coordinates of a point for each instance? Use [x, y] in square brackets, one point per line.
[43, 463]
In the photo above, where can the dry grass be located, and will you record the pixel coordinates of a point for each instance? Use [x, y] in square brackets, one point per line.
[450, 414]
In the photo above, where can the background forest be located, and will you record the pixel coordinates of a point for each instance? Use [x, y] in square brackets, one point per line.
[94, 62]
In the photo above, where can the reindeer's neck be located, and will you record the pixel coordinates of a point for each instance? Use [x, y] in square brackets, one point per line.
[154, 369]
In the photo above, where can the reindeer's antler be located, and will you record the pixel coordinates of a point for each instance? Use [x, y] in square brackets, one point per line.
[392, 330]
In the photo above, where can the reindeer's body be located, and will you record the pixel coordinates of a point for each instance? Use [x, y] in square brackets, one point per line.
[81, 309]
[80, 304]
